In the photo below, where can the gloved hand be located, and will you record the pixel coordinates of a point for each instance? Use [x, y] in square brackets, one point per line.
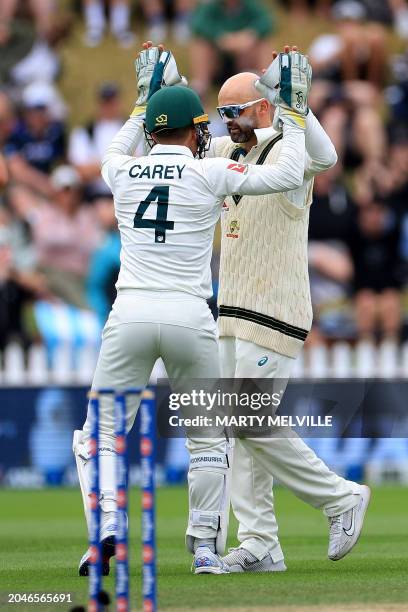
[283, 115]
[286, 84]
[145, 65]
[170, 73]
[155, 68]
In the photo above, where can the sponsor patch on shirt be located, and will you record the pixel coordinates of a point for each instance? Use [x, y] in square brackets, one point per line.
[242, 168]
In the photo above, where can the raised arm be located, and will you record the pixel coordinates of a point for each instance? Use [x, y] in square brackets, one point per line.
[155, 68]
[228, 178]
[292, 92]
[131, 135]
[126, 141]
[321, 154]
[124, 144]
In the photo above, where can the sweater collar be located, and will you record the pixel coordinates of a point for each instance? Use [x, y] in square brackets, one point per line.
[264, 135]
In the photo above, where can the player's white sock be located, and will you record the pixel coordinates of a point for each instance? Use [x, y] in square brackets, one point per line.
[109, 524]
[208, 543]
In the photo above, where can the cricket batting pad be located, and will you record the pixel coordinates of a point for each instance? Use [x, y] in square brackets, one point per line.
[209, 497]
[107, 477]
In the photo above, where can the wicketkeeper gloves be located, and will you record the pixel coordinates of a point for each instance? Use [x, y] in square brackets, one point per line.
[286, 84]
[154, 69]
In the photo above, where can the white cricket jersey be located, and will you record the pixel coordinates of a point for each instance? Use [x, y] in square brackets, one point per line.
[168, 203]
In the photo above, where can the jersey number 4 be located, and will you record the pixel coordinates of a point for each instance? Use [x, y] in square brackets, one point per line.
[160, 223]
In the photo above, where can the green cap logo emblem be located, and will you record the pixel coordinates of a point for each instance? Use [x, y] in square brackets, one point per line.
[161, 120]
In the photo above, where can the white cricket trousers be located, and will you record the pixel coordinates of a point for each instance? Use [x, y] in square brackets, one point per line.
[284, 456]
[146, 325]
[179, 328]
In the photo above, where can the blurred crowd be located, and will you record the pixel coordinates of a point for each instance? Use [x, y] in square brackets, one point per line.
[59, 246]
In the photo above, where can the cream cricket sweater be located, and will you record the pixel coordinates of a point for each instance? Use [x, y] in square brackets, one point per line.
[264, 293]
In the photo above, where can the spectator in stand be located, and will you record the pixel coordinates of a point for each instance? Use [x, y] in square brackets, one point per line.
[27, 52]
[105, 262]
[374, 243]
[65, 232]
[331, 269]
[95, 22]
[20, 282]
[392, 184]
[88, 144]
[38, 143]
[235, 32]
[16, 42]
[332, 213]
[400, 14]
[41, 10]
[350, 113]
[6, 289]
[395, 186]
[303, 8]
[349, 67]
[357, 51]
[10, 295]
[155, 12]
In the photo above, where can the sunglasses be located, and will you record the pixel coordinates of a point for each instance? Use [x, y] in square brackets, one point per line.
[233, 111]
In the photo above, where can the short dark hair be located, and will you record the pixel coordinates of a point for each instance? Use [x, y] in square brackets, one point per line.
[172, 135]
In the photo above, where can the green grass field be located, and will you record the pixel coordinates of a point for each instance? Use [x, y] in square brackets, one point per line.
[42, 537]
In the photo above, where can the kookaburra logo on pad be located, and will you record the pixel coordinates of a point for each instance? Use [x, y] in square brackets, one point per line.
[161, 120]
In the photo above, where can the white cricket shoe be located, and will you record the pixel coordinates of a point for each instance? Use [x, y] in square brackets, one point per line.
[241, 560]
[345, 529]
[207, 562]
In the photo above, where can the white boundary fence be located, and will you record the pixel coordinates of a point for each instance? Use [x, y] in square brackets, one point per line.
[71, 366]
[386, 461]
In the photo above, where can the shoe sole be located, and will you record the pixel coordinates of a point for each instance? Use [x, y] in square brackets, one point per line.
[210, 570]
[366, 496]
[108, 551]
[238, 569]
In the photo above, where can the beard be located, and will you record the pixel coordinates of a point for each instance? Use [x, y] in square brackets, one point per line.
[241, 130]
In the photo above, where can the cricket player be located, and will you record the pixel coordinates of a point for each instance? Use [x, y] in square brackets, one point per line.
[265, 314]
[167, 204]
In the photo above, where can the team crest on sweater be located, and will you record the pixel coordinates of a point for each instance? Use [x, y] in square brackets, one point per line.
[233, 229]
